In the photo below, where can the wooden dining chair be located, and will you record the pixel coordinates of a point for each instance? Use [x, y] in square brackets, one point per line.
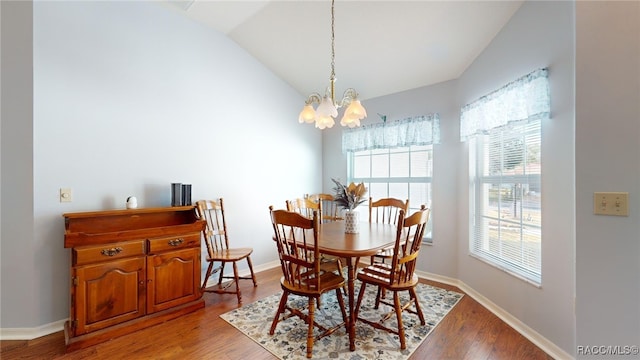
[386, 210]
[304, 207]
[329, 208]
[296, 239]
[397, 276]
[218, 249]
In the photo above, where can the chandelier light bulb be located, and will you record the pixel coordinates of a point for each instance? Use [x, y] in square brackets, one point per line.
[356, 109]
[307, 114]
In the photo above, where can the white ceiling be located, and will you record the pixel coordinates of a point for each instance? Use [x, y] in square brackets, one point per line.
[382, 47]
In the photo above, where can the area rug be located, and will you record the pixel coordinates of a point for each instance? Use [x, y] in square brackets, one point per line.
[289, 339]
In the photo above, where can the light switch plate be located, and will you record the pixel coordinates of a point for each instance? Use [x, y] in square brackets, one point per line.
[65, 195]
[611, 203]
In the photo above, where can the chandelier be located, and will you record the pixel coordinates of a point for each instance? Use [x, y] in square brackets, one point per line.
[327, 109]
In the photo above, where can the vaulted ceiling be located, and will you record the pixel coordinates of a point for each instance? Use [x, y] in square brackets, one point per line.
[382, 47]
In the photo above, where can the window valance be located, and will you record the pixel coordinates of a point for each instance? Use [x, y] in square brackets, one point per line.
[419, 130]
[524, 99]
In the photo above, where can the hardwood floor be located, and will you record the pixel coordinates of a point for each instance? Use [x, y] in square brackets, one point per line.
[469, 331]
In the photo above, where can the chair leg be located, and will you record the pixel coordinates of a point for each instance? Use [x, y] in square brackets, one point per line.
[310, 330]
[236, 278]
[342, 307]
[253, 276]
[221, 273]
[206, 277]
[360, 296]
[340, 270]
[398, 308]
[378, 295]
[412, 294]
[281, 306]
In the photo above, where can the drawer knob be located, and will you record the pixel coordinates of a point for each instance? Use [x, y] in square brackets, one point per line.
[112, 252]
[176, 242]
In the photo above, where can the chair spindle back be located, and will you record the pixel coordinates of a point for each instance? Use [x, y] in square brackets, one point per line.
[408, 241]
[296, 240]
[215, 233]
[386, 210]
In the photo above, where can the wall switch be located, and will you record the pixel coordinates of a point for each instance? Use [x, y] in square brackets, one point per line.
[611, 203]
[65, 195]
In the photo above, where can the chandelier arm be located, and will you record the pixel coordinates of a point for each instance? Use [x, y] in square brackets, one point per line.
[313, 98]
[349, 95]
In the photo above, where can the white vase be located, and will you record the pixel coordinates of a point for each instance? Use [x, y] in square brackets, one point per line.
[352, 222]
[132, 202]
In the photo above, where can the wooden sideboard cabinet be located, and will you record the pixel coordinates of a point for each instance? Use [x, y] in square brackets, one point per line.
[130, 269]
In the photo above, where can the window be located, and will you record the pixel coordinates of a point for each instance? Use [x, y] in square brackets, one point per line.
[504, 134]
[507, 227]
[403, 173]
[395, 160]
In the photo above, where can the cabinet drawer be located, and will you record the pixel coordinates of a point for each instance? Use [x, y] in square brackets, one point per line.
[173, 242]
[97, 253]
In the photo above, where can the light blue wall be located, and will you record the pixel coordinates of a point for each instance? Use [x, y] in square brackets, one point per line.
[607, 159]
[129, 97]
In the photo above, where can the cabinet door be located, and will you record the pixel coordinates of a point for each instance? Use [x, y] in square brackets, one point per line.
[173, 278]
[108, 294]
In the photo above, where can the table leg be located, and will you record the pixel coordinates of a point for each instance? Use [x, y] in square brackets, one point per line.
[351, 325]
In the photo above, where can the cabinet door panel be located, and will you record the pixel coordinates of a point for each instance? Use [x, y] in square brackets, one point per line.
[109, 293]
[173, 279]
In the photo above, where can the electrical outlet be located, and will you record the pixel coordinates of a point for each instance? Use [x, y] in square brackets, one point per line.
[611, 203]
[65, 195]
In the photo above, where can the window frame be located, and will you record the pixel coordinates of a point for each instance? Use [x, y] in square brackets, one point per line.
[408, 180]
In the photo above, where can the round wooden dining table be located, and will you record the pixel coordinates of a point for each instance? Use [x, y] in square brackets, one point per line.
[372, 237]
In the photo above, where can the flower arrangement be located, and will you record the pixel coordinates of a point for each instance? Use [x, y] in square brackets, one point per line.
[349, 197]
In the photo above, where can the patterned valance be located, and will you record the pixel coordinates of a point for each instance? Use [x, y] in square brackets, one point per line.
[419, 130]
[524, 99]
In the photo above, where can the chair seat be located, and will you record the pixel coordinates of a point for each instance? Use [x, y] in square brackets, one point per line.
[379, 275]
[230, 254]
[328, 281]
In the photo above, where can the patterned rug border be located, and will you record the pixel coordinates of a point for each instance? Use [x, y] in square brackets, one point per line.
[289, 342]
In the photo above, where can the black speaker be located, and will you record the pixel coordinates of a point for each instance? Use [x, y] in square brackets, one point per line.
[176, 194]
[186, 194]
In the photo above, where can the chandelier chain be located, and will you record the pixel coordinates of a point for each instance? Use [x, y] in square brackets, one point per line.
[333, 46]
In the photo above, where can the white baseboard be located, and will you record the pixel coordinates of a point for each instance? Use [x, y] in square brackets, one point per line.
[31, 333]
[540, 341]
